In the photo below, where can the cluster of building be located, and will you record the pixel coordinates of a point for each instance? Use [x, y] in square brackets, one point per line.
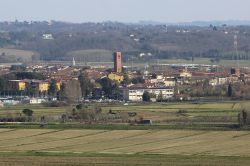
[37, 85]
[161, 81]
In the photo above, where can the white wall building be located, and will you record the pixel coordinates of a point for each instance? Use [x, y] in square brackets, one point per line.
[217, 81]
[135, 94]
[47, 37]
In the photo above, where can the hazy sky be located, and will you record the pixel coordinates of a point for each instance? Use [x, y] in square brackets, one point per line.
[125, 10]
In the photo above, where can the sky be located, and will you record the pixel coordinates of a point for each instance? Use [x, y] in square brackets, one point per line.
[168, 11]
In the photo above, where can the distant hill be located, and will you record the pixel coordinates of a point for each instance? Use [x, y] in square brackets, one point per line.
[96, 41]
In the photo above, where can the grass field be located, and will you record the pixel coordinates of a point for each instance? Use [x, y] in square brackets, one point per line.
[17, 55]
[159, 113]
[242, 63]
[119, 147]
[92, 55]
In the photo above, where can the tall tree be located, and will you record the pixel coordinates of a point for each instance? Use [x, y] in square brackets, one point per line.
[126, 80]
[146, 96]
[230, 90]
[53, 88]
[86, 85]
[109, 87]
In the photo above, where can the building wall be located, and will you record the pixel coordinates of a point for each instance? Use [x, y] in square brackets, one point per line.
[115, 77]
[22, 86]
[17, 85]
[169, 83]
[43, 86]
[136, 94]
[118, 62]
[58, 86]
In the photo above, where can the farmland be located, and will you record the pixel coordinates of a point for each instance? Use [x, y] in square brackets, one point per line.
[16, 55]
[92, 55]
[229, 63]
[159, 113]
[177, 136]
[119, 147]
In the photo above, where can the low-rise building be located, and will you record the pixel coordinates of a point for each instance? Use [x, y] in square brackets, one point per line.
[18, 85]
[217, 81]
[185, 73]
[41, 86]
[135, 94]
[170, 82]
[116, 77]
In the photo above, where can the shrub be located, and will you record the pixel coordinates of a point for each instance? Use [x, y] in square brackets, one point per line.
[28, 112]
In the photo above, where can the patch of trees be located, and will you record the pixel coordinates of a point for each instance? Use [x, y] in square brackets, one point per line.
[199, 42]
[86, 85]
[146, 97]
[110, 88]
[244, 118]
[29, 75]
[70, 91]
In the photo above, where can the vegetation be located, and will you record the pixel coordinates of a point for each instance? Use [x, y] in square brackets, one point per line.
[194, 115]
[53, 88]
[114, 147]
[146, 96]
[110, 88]
[66, 159]
[86, 85]
[28, 112]
[95, 42]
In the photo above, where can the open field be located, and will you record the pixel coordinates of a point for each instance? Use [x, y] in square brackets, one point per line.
[39, 110]
[14, 55]
[242, 63]
[119, 147]
[120, 160]
[159, 113]
[91, 55]
[186, 112]
[168, 142]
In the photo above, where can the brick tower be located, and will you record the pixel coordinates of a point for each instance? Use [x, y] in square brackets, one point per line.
[118, 62]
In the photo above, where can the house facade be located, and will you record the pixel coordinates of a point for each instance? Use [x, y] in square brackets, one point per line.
[135, 94]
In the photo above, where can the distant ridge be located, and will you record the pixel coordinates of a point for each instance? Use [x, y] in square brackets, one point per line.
[200, 23]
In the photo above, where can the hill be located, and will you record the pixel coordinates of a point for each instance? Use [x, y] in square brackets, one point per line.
[162, 41]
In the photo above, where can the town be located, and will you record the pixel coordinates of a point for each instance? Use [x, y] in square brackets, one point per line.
[124, 83]
[37, 83]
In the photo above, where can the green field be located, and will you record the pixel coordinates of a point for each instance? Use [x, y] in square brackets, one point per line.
[242, 63]
[166, 142]
[92, 55]
[119, 147]
[13, 55]
[159, 113]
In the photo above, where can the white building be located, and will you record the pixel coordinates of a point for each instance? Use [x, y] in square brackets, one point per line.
[217, 81]
[169, 82]
[1, 104]
[34, 101]
[135, 94]
[47, 37]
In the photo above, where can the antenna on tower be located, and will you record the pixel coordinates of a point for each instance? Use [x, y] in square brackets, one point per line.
[236, 49]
